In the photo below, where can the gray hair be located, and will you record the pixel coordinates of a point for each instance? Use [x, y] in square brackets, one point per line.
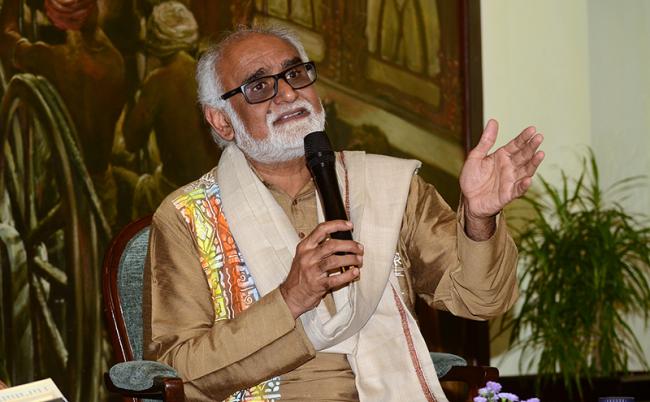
[210, 87]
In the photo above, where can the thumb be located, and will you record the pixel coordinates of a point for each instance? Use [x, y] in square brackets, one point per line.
[487, 140]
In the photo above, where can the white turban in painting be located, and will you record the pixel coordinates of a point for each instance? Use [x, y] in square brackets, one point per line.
[171, 28]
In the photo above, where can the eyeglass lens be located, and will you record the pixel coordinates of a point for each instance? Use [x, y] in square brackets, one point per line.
[265, 88]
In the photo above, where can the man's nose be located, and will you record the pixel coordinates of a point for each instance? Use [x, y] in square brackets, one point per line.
[285, 92]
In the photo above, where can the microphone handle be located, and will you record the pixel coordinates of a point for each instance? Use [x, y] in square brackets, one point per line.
[345, 235]
[328, 188]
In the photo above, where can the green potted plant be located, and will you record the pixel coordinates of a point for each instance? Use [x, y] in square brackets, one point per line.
[586, 264]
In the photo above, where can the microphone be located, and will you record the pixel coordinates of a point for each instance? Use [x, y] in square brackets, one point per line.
[321, 162]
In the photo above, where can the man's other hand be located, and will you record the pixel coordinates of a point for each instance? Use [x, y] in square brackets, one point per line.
[308, 280]
[490, 181]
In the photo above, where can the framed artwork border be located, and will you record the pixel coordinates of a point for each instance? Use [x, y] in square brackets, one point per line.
[472, 70]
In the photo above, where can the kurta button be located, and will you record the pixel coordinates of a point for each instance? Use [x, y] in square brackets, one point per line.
[294, 202]
[301, 235]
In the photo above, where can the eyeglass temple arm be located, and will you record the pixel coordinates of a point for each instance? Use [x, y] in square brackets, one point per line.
[231, 93]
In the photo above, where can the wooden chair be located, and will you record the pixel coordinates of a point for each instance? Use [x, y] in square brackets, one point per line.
[122, 287]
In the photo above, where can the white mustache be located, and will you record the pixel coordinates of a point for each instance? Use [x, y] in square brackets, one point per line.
[272, 116]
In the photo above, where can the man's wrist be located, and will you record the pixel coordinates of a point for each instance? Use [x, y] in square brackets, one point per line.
[295, 311]
[479, 228]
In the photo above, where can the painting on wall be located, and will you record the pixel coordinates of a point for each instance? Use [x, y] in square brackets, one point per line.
[99, 122]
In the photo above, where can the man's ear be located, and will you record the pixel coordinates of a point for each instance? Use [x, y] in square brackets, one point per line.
[219, 122]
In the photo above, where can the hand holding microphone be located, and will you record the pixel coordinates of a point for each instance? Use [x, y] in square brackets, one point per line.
[329, 247]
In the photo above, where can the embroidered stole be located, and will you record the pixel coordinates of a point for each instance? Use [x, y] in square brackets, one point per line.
[231, 285]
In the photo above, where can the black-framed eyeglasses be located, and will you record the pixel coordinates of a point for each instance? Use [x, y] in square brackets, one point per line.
[265, 88]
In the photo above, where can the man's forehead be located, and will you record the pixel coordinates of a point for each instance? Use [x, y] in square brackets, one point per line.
[258, 54]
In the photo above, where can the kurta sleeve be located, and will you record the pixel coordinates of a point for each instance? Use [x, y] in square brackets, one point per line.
[214, 358]
[450, 271]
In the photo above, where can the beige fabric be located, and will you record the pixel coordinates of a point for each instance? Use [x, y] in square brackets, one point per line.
[384, 347]
[450, 271]
[301, 209]
[302, 213]
[216, 359]
[329, 375]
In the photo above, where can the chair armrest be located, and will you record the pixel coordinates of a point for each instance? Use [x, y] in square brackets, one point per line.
[474, 374]
[168, 389]
[443, 362]
[145, 379]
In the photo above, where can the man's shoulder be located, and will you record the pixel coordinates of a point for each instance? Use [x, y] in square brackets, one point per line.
[379, 158]
[383, 161]
[201, 188]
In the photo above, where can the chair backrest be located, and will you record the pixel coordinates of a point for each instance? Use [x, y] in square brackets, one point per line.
[122, 287]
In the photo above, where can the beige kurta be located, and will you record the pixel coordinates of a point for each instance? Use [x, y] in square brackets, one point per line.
[450, 271]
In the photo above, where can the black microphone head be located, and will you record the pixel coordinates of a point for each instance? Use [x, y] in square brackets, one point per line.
[317, 142]
[318, 148]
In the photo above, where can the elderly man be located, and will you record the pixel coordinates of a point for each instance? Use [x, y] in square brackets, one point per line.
[238, 295]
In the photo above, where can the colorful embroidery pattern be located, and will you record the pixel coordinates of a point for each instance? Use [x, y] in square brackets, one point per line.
[231, 284]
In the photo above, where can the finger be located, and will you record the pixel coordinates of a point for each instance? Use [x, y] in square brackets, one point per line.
[338, 246]
[487, 140]
[530, 167]
[323, 230]
[534, 163]
[346, 277]
[339, 261]
[521, 187]
[520, 141]
[523, 155]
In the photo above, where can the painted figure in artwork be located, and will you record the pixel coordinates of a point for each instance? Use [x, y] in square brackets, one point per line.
[87, 71]
[166, 103]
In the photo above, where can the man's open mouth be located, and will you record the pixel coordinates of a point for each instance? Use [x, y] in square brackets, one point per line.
[290, 116]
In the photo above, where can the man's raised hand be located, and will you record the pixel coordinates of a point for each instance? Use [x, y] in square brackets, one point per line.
[490, 181]
[308, 280]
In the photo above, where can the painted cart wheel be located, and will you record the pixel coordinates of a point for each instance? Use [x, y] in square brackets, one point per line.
[52, 230]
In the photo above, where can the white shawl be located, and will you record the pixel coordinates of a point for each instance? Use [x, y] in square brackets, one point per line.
[372, 325]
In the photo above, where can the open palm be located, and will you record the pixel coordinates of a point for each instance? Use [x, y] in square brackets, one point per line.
[490, 181]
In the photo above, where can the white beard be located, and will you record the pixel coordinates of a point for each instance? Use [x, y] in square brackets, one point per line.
[283, 143]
